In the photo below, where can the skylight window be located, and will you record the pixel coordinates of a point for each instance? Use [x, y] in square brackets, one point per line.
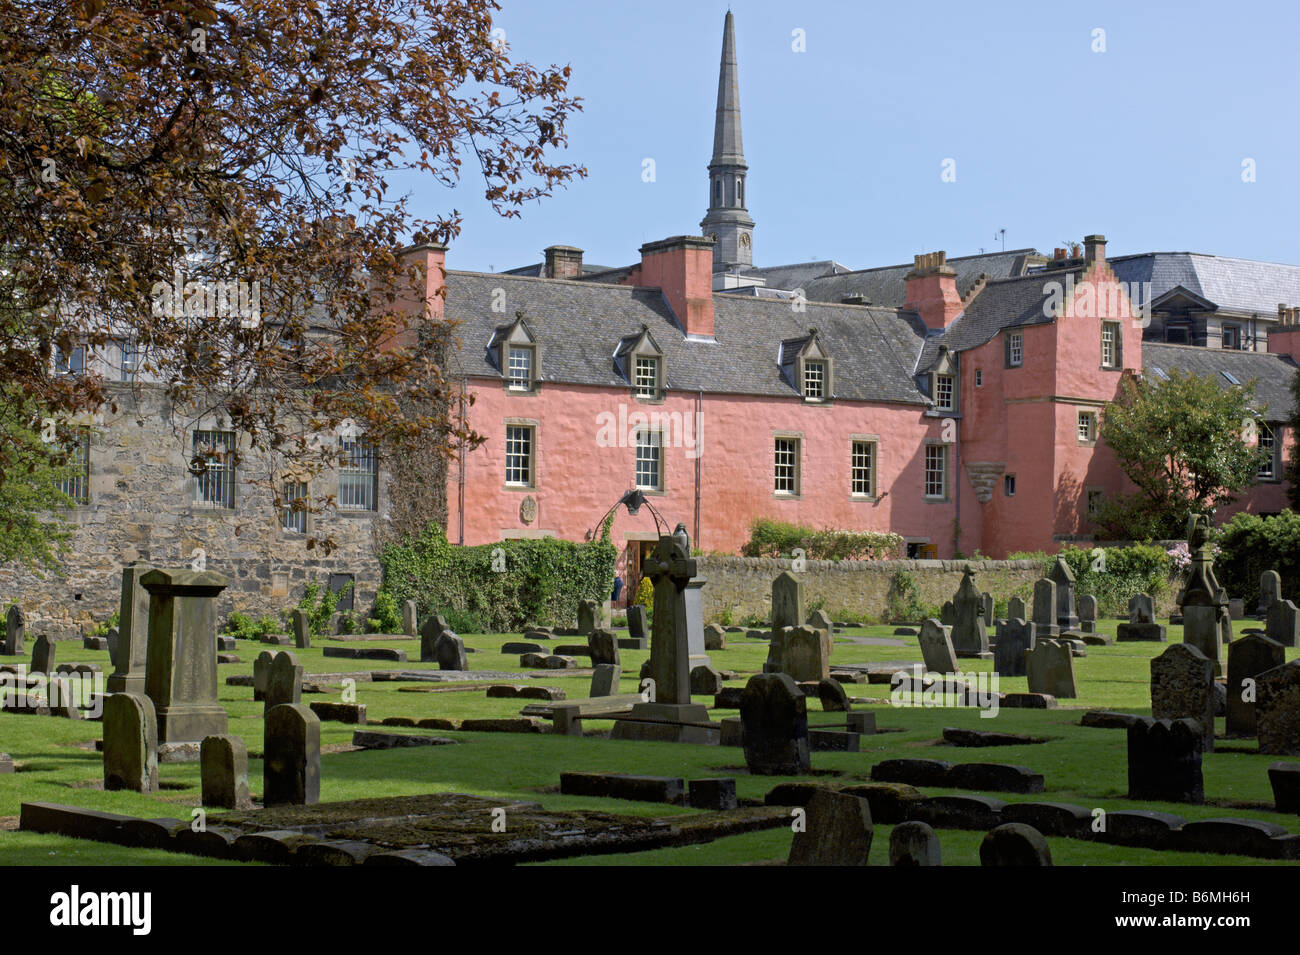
[1232, 379]
[1160, 373]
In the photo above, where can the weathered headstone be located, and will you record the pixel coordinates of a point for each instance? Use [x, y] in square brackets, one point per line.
[1014, 844]
[1063, 577]
[1182, 681]
[1283, 623]
[224, 772]
[1201, 630]
[834, 698]
[1270, 591]
[1277, 710]
[181, 669]
[1045, 603]
[837, 831]
[15, 628]
[705, 681]
[936, 647]
[301, 625]
[1248, 657]
[410, 618]
[604, 679]
[284, 680]
[715, 638]
[821, 620]
[693, 613]
[1049, 667]
[914, 844]
[1141, 609]
[433, 627]
[449, 650]
[804, 657]
[1015, 638]
[291, 761]
[638, 625]
[112, 637]
[1164, 760]
[1236, 608]
[588, 616]
[988, 610]
[1201, 589]
[130, 743]
[1088, 613]
[969, 637]
[42, 655]
[774, 718]
[1016, 608]
[787, 602]
[948, 613]
[603, 647]
[261, 676]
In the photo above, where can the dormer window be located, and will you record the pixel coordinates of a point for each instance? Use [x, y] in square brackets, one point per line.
[808, 368]
[943, 392]
[514, 351]
[641, 363]
[645, 379]
[519, 368]
[814, 380]
[943, 382]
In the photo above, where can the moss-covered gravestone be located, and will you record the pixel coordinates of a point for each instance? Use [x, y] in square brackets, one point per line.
[224, 770]
[969, 635]
[284, 680]
[1015, 844]
[1248, 657]
[1277, 710]
[774, 716]
[42, 655]
[804, 655]
[15, 627]
[449, 651]
[588, 616]
[1049, 668]
[132, 654]
[914, 844]
[130, 743]
[603, 647]
[1182, 685]
[291, 760]
[301, 625]
[837, 830]
[181, 669]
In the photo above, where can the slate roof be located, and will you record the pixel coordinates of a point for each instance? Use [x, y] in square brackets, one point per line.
[797, 274]
[580, 324]
[888, 286]
[535, 270]
[1272, 373]
[1235, 285]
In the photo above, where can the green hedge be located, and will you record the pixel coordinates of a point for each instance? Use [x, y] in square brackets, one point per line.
[1136, 569]
[769, 538]
[1249, 545]
[542, 581]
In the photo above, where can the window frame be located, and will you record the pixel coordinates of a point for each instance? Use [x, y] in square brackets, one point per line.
[873, 455]
[514, 383]
[1015, 342]
[77, 485]
[1274, 445]
[1008, 485]
[942, 450]
[368, 452]
[1117, 342]
[1082, 414]
[301, 491]
[529, 428]
[795, 477]
[638, 386]
[939, 405]
[199, 496]
[642, 433]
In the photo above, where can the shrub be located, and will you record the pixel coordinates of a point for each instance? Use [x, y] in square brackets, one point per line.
[388, 614]
[903, 603]
[543, 581]
[1125, 571]
[102, 628]
[244, 627]
[319, 602]
[1249, 545]
[769, 538]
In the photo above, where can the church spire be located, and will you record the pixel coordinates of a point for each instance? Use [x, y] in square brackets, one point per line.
[727, 220]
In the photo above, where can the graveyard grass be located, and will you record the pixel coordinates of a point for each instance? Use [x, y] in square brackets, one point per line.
[57, 762]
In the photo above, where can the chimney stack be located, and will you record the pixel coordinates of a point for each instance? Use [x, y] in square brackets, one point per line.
[1094, 249]
[422, 301]
[682, 267]
[932, 290]
[562, 262]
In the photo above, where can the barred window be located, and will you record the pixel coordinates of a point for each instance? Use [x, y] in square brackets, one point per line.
[76, 483]
[863, 468]
[130, 360]
[787, 466]
[294, 518]
[519, 373]
[649, 460]
[936, 470]
[1268, 443]
[519, 455]
[645, 379]
[943, 392]
[814, 379]
[358, 475]
[213, 466]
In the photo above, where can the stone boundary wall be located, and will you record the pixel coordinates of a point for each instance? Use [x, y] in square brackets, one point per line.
[859, 589]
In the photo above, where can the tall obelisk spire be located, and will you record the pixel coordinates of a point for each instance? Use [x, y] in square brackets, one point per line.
[727, 219]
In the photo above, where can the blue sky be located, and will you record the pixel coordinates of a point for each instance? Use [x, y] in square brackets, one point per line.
[845, 142]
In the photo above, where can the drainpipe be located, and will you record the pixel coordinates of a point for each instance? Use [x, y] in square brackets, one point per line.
[460, 484]
[699, 456]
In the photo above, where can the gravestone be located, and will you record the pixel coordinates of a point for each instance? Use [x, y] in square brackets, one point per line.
[1045, 603]
[821, 620]
[834, 698]
[948, 613]
[1088, 613]
[1016, 608]
[837, 831]
[774, 719]
[588, 616]
[130, 743]
[1015, 637]
[804, 656]
[1202, 589]
[284, 681]
[261, 676]
[1270, 591]
[988, 610]
[1201, 630]
[15, 628]
[936, 647]
[433, 627]
[1063, 577]
[42, 655]
[1236, 608]
[291, 761]
[1248, 657]
[224, 772]
[715, 638]
[969, 638]
[705, 681]
[604, 680]
[1014, 844]
[638, 626]
[1164, 760]
[693, 609]
[300, 623]
[1141, 609]
[1277, 710]
[449, 650]
[603, 647]
[787, 602]
[1050, 669]
[1283, 623]
[410, 618]
[181, 668]
[1182, 686]
[914, 844]
[132, 655]
[112, 638]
